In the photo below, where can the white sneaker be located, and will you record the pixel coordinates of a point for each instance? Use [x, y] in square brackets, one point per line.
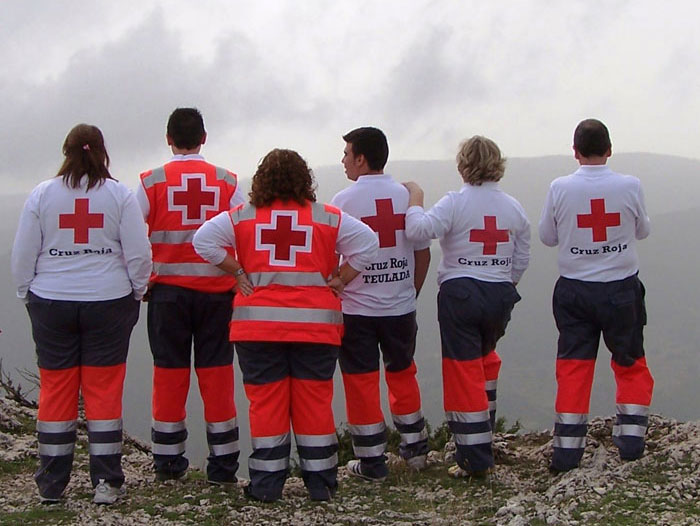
[417, 463]
[105, 493]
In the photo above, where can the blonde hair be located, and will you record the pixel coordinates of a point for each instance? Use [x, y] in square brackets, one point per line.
[479, 160]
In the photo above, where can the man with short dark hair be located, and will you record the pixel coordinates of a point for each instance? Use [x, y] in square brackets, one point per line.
[190, 302]
[379, 311]
[595, 216]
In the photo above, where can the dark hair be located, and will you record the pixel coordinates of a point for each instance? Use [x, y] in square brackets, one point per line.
[370, 142]
[85, 153]
[282, 174]
[186, 128]
[591, 138]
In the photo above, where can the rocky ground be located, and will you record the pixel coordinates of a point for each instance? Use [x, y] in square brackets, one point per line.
[660, 489]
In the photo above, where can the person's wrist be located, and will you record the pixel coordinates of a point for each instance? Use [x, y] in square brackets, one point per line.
[239, 272]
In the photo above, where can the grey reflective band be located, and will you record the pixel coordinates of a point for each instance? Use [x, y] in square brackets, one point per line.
[491, 385]
[492, 405]
[171, 237]
[467, 417]
[472, 439]
[319, 214]
[187, 269]
[224, 175]
[65, 426]
[408, 419]
[630, 430]
[367, 429]
[168, 449]
[268, 465]
[318, 464]
[369, 451]
[156, 176]
[316, 440]
[168, 427]
[569, 442]
[113, 448]
[101, 426]
[633, 409]
[571, 418]
[243, 214]
[270, 442]
[292, 279]
[222, 427]
[219, 450]
[287, 314]
[412, 438]
[56, 450]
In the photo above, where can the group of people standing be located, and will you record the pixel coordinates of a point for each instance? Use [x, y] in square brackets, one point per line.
[298, 286]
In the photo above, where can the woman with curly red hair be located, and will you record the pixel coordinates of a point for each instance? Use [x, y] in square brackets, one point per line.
[287, 323]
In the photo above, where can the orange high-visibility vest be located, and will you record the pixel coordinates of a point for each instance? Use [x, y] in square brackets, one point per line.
[183, 195]
[288, 253]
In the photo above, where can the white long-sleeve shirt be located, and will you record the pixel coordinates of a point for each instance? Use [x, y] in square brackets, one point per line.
[386, 286]
[484, 233]
[355, 242]
[78, 245]
[595, 215]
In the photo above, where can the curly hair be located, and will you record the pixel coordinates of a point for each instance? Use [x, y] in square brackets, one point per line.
[479, 160]
[85, 155]
[282, 174]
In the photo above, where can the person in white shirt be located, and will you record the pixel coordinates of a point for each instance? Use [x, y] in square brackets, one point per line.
[379, 312]
[485, 240]
[595, 216]
[81, 262]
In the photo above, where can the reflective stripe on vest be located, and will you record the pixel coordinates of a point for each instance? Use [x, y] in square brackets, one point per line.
[156, 176]
[188, 269]
[291, 279]
[171, 237]
[285, 314]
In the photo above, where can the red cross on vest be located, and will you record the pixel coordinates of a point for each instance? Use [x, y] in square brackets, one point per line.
[490, 236]
[283, 237]
[81, 221]
[193, 199]
[386, 222]
[598, 220]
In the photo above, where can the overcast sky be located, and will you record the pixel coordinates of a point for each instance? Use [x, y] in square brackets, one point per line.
[299, 74]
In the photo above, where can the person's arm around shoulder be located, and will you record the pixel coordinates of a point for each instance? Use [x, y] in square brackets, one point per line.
[359, 246]
[548, 226]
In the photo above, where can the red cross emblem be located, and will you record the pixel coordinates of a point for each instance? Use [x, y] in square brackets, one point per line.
[490, 235]
[193, 199]
[598, 220]
[81, 221]
[284, 237]
[386, 222]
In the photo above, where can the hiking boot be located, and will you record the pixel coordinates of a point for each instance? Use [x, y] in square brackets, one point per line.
[354, 468]
[458, 472]
[417, 463]
[105, 493]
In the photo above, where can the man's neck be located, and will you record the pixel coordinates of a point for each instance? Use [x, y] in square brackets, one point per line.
[181, 151]
[372, 172]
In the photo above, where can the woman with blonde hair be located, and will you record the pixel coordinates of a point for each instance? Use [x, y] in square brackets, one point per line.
[485, 240]
[81, 262]
[287, 323]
